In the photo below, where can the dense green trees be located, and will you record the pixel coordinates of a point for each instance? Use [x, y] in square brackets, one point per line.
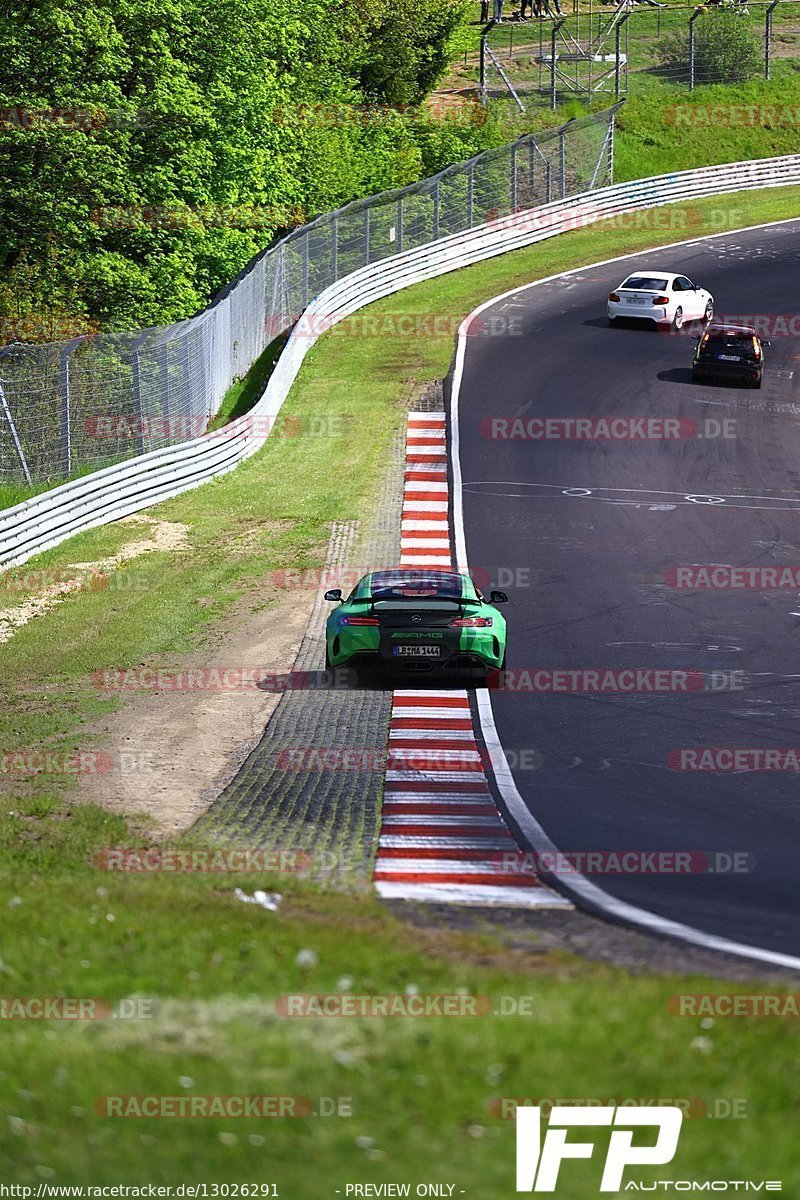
[148, 148]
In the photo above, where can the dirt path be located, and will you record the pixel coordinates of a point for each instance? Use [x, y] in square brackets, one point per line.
[89, 576]
[175, 751]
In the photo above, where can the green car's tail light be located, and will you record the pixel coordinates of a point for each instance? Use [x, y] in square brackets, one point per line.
[359, 621]
[471, 623]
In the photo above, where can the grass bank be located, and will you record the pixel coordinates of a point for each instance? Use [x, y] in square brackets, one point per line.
[420, 1092]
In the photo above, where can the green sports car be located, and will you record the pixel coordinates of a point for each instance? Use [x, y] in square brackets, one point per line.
[417, 620]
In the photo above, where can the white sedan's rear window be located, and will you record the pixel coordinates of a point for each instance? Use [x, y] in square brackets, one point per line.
[644, 283]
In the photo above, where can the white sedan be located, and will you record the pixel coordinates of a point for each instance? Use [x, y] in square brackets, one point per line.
[660, 296]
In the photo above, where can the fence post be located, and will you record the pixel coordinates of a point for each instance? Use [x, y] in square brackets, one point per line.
[367, 232]
[611, 148]
[513, 196]
[553, 100]
[136, 371]
[186, 406]
[305, 270]
[335, 240]
[399, 224]
[470, 194]
[562, 164]
[64, 388]
[166, 386]
[482, 75]
[692, 20]
[14, 436]
[768, 38]
[617, 36]
[549, 174]
[436, 210]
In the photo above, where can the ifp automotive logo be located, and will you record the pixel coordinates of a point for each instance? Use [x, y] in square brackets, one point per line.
[538, 1162]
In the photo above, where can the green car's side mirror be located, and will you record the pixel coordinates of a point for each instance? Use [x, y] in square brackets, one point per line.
[498, 598]
[333, 594]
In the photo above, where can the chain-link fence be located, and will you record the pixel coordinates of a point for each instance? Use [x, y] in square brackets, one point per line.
[91, 401]
[593, 48]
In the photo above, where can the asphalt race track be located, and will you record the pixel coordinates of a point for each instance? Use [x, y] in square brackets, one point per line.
[589, 577]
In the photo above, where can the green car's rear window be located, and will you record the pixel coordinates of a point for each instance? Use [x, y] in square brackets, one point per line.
[416, 585]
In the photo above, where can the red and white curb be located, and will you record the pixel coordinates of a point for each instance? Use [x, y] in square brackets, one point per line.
[442, 839]
[425, 527]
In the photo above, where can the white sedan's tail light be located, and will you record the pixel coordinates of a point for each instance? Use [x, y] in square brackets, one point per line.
[613, 296]
[661, 300]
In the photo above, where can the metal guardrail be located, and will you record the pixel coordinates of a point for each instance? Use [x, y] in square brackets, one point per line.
[118, 491]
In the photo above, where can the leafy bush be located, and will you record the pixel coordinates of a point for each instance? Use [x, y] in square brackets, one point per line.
[726, 49]
[149, 148]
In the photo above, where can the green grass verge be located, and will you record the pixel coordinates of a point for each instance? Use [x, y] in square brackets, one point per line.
[666, 127]
[676, 130]
[419, 1089]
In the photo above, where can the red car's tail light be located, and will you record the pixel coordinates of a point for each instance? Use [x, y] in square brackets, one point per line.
[471, 623]
[613, 296]
[661, 300]
[359, 621]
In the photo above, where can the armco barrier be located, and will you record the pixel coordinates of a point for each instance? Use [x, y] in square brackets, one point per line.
[118, 491]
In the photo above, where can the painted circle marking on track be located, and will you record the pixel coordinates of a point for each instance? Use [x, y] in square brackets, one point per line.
[576, 492]
[706, 499]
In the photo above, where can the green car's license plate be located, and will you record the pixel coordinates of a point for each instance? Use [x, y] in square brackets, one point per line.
[416, 651]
